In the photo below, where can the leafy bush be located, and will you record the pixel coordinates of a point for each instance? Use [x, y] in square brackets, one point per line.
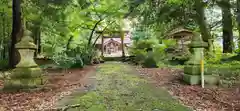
[97, 58]
[150, 62]
[78, 63]
[145, 44]
[63, 61]
[174, 54]
[87, 55]
[229, 72]
[139, 56]
[213, 60]
[169, 42]
[218, 58]
[142, 57]
[159, 52]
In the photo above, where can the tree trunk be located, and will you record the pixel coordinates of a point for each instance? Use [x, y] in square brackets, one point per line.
[238, 21]
[102, 46]
[91, 35]
[3, 36]
[36, 35]
[16, 28]
[105, 28]
[68, 44]
[4, 52]
[39, 49]
[122, 43]
[227, 28]
[205, 33]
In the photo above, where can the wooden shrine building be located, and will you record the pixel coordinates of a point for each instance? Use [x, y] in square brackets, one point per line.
[111, 42]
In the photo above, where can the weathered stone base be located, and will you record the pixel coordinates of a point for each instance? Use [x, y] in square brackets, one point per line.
[192, 79]
[24, 78]
[20, 84]
[196, 79]
[212, 79]
[192, 69]
[34, 72]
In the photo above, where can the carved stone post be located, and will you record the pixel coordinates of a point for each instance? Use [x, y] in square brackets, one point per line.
[192, 69]
[27, 73]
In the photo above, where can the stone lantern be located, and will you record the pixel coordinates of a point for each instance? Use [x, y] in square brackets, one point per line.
[192, 69]
[27, 73]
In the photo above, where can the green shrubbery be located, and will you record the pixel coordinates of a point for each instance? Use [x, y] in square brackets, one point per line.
[148, 53]
[154, 58]
[62, 60]
[77, 57]
[150, 61]
[225, 65]
[139, 50]
[219, 58]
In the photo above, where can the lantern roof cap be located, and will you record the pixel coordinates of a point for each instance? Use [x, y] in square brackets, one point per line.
[26, 42]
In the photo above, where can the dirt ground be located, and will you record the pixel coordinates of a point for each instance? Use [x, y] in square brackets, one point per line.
[207, 99]
[60, 83]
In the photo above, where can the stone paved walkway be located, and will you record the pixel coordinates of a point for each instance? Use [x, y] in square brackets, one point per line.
[119, 88]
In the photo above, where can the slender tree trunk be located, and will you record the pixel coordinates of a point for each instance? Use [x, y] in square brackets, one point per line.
[4, 36]
[36, 35]
[39, 49]
[105, 28]
[68, 44]
[238, 21]
[102, 46]
[16, 28]
[91, 35]
[205, 33]
[1, 50]
[4, 52]
[122, 43]
[227, 28]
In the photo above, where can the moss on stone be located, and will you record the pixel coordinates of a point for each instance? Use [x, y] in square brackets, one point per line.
[22, 84]
[191, 79]
[19, 73]
[211, 79]
[192, 69]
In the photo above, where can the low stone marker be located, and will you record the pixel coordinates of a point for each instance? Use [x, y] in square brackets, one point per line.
[192, 69]
[27, 73]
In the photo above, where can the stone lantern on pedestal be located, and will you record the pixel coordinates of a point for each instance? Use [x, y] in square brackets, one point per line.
[192, 69]
[27, 73]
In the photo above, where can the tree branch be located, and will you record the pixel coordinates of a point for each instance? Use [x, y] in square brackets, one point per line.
[91, 35]
[94, 43]
[215, 24]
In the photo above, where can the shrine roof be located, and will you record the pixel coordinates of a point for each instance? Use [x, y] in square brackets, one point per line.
[112, 31]
[127, 39]
[106, 40]
[179, 32]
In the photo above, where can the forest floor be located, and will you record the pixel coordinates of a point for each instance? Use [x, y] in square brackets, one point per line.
[121, 87]
[118, 87]
[60, 83]
[208, 99]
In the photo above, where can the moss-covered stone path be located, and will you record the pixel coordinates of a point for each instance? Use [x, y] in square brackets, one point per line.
[119, 88]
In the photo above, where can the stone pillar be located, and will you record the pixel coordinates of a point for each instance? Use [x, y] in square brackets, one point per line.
[27, 73]
[192, 69]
